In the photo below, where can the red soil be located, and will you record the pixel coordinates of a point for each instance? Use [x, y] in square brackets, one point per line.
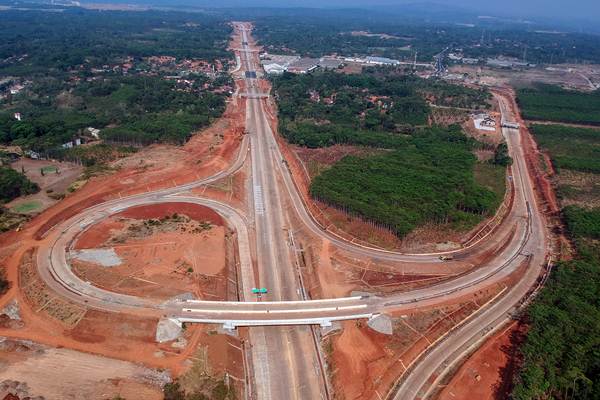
[98, 234]
[487, 374]
[118, 335]
[95, 334]
[159, 266]
[365, 364]
[194, 211]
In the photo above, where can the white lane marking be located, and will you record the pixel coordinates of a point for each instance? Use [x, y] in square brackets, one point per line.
[273, 322]
[259, 205]
[293, 311]
[235, 303]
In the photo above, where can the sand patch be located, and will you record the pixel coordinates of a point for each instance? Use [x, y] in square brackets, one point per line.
[103, 257]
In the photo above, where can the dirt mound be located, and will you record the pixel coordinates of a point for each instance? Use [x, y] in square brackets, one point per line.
[194, 211]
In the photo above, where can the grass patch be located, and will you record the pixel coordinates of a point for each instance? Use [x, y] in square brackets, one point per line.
[97, 170]
[492, 177]
[199, 382]
[27, 207]
[76, 185]
[50, 169]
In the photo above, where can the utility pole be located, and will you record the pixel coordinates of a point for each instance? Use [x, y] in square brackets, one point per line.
[415, 64]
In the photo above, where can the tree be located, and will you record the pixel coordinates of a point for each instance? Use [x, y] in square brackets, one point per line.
[13, 184]
[501, 156]
[173, 391]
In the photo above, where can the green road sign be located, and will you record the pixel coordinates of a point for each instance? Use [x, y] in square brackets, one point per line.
[259, 291]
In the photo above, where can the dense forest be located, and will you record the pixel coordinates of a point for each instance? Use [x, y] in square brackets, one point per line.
[369, 109]
[322, 32]
[427, 173]
[569, 147]
[582, 223]
[428, 179]
[140, 110]
[561, 355]
[561, 358]
[150, 109]
[129, 74]
[38, 42]
[14, 184]
[552, 103]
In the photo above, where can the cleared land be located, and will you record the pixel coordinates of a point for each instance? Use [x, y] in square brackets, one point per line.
[154, 252]
[487, 375]
[54, 179]
[58, 374]
[364, 364]
[573, 76]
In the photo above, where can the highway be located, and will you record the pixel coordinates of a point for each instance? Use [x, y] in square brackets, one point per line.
[439, 361]
[285, 359]
[287, 363]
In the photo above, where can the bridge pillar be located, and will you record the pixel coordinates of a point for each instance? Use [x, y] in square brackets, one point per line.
[325, 323]
[228, 325]
[381, 323]
[168, 329]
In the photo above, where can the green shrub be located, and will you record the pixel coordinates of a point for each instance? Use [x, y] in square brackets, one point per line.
[14, 184]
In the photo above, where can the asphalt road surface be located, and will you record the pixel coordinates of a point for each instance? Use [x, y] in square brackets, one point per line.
[285, 360]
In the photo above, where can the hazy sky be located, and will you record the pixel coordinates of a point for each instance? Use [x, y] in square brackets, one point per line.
[561, 9]
[586, 9]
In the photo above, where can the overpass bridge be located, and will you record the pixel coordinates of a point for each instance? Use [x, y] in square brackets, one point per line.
[254, 95]
[274, 313]
[509, 124]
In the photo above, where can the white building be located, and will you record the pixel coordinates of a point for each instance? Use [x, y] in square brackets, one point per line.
[471, 61]
[94, 132]
[274, 69]
[484, 122]
[277, 64]
[381, 61]
[355, 60]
